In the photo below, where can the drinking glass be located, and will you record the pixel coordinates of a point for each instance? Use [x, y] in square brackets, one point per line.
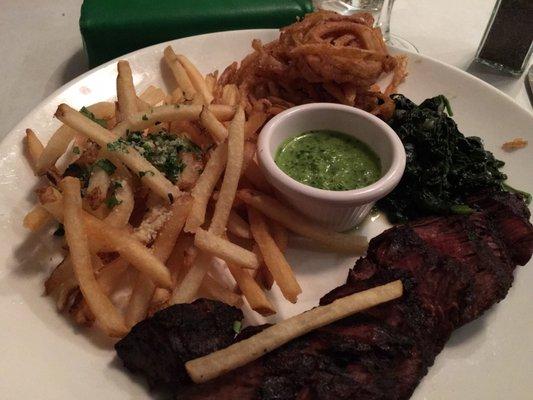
[381, 10]
[383, 22]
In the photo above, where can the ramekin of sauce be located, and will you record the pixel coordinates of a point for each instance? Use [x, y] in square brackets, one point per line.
[331, 162]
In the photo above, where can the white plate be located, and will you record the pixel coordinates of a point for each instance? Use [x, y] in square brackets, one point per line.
[43, 356]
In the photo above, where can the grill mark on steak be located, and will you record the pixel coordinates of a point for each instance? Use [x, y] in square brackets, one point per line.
[176, 335]
[440, 284]
[453, 269]
[511, 219]
[474, 244]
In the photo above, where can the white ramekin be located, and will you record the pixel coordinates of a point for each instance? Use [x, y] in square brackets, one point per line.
[338, 210]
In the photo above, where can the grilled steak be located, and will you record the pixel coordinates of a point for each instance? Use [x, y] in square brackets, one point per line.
[511, 220]
[453, 269]
[471, 241]
[160, 346]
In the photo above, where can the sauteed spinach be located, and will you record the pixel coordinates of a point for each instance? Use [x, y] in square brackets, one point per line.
[443, 166]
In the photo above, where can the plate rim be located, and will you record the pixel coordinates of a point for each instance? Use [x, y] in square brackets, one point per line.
[20, 125]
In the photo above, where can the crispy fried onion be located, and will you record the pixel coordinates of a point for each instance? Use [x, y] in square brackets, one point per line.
[325, 57]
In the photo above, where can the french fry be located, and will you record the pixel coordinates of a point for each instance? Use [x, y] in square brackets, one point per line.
[105, 312]
[224, 249]
[52, 201]
[250, 289]
[196, 78]
[110, 274]
[262, 274]
[152, 178]
[189, 256]
[214, 290]
[214, 127]
[119, 215]
[152, 221]
[179, 72]
[186, 291]
[182, 257]
[241, 353]
[55, 147]
[228, 74]
[100, 213]
[144, 288]
[97, 189]
[211, 82]
[191, 172]
[126, 96]
[231, 176]
[178, 267]
[170, 113]
[336, 92]
[177, 96]
[192, 132]
[58, 143]
[281, 237]
[238, 226]
[71, 156]
[165, 241]
[103, 110]
[197, 100]
[230, 95]
[342, 242]
[204, 187]
[108, 277]
[273, 257]
[255, 176]
[130, 249]
[143, 106]
[36, 219]
[248, 157]
[153, 96]
[117, 239]
[34, 149]
[237, 203]
[350, 93]
[256, 120]
[79, 309]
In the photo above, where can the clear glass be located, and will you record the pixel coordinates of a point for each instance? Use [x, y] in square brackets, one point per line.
[373, 7]
[381, 10]
[347, 7]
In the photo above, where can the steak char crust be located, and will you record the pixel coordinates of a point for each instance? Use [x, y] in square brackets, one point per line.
[453, 268]
[160, 346]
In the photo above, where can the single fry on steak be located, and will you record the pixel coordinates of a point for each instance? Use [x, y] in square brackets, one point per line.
[220, 362]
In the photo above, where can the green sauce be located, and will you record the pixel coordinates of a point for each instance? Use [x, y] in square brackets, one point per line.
[328, 160]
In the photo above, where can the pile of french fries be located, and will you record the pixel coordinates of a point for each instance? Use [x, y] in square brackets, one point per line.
[159, 241]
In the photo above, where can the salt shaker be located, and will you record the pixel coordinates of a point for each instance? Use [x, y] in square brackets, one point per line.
[508, 39]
